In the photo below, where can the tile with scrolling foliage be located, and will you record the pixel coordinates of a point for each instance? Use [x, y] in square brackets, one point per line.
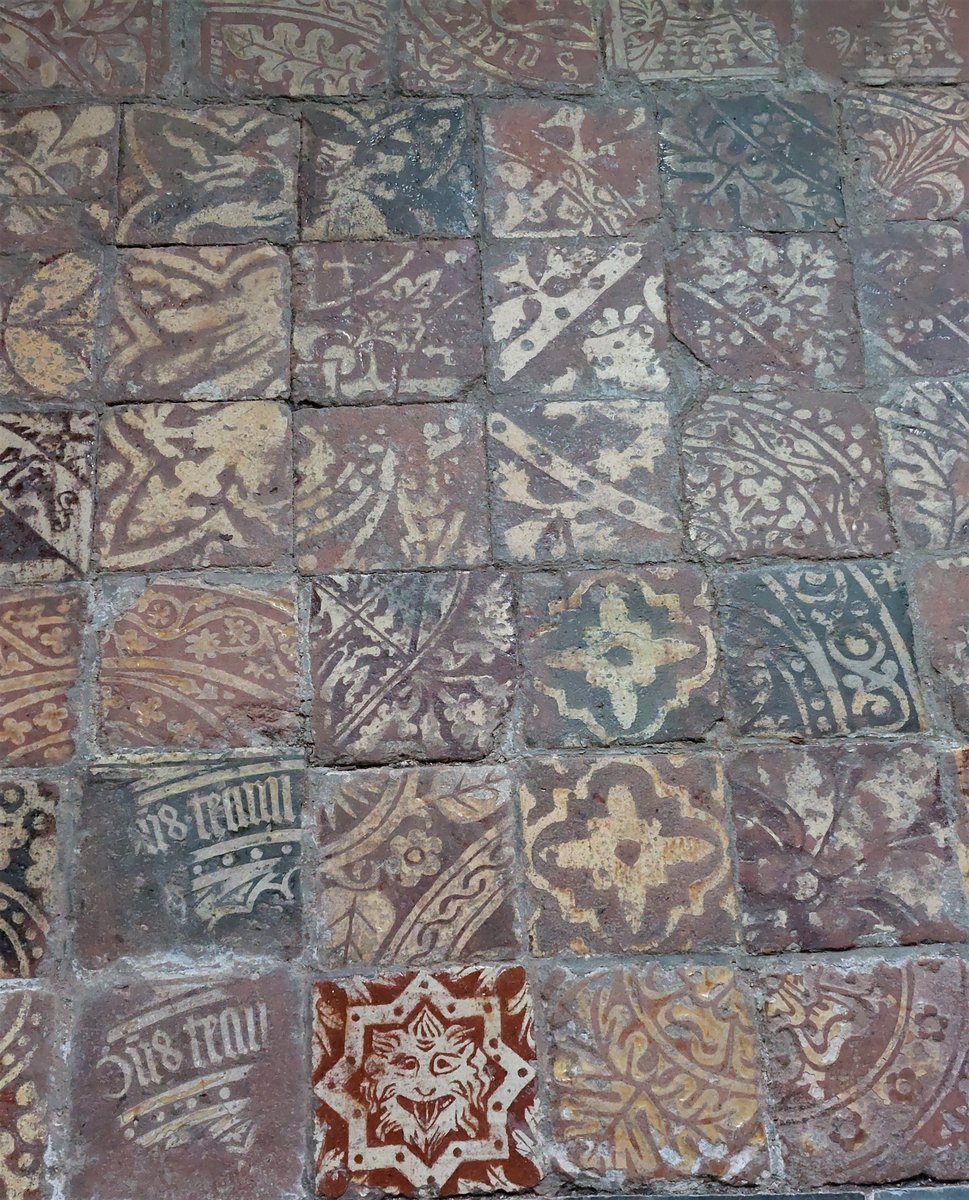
[387, 169]
[28, 874]
[390, 487]
[655, 1074]
[185, 664]
[426, 1082]
[818, 650]
[40, 653]
[415, 666]
[382, 321]
[618, 657]
[569, 169]
[940, 590]
[580, 479]
[27, 1037]
[627, 854]
[220, 173]
[416, 865]
[843, 846]
[869, 1069]
[195, 485]
[798, 474]
[768, 309]
[577, 318]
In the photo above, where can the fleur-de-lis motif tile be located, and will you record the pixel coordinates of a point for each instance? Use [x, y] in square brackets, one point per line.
[28, 873]
[27, 1034]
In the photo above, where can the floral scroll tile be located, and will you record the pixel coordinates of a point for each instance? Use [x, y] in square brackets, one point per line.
[27, 1034]
[797, 475]
[618, 657]
[28, 874]
[416, 865]
[577, 318]
[812, 651]
[189, 665]
[627, 854]
[768, 309]
[941, 588]
[426, 1084]
[655, 1075]
[416, 666]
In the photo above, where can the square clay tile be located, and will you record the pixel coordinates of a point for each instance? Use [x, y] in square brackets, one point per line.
[197, 852]
[696, 39]
[426, 1084]
[768, 309]
[85, 45]
[620, 657]
[291, 48]
[390, 487]
[40, 664]
[752, 160]
[188, 1081]
[573, 318]
[655, 1074]
[843, 846]
[798, 475]
[28, 879]
[223, 173]
[387, 170]
[195, 485]
[912, 148]
[27, 1034]
[913, 297]
[926, 427]
[817, 650]
[379, 321]
[586, 480]
[941, 589]
[956, 783]
[490, 46]
[416, 865]
[183, 664]
[627, 854]
[46, 494]
[58, 176]
[870, 1069]
[417, 666]
[556, 170]
[200, 323]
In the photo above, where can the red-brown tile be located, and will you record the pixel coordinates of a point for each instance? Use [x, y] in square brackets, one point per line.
[940, 591]
[27, 1034]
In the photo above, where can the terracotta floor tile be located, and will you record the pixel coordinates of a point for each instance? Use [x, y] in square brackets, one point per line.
[28, 875]
[940, 590]
[27, 1033]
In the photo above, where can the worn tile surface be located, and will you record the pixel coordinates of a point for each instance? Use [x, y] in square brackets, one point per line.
[28, 873]
[940, 588]
[26, 1034]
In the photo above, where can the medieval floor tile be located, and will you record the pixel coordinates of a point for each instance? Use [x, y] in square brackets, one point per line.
[556, 170]
[913, 151]
[200, 323]
[190, 665]
[627, 854]
[417, 666]
[869, 1068]
[955, 775]
[913, 298]
[655, 1075]
[489, 47]
[57, 176]
[290, 48]
[40, 651]
[426, 1082]
[376, 321]
[926, 427]
[222, 173]
[416, 865]
[843, 846]
[587, 318]
[189, 851]
[195, 485]
[785, 475]
[390, 487]
[818, 650]
[577, 479]
[387, 170]
[188, 1081]
[773, 309]
[940, 590]
[751, 160]
[27, 1036]
[618, 657]
[46, 494]
[28, 863]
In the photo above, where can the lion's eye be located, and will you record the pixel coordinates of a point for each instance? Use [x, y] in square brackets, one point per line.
[441, 1064]
[406, 1062]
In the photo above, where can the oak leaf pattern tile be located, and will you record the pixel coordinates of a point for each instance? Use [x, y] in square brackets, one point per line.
[940, 589]
[27, 1036]
[28, 862]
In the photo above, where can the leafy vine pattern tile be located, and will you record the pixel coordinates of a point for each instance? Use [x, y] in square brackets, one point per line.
[28, 874]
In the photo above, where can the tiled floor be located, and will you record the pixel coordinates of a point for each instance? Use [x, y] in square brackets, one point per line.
[484, 597]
